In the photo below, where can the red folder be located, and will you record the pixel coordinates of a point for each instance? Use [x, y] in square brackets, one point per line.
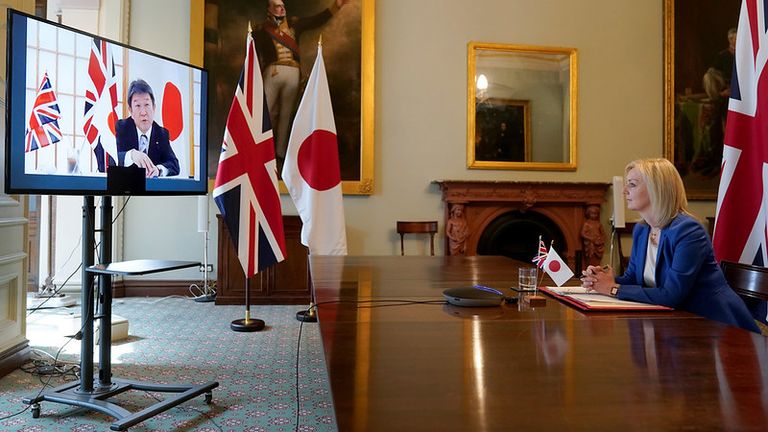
[607, 306]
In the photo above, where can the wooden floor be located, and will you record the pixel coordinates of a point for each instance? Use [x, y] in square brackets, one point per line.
[429, 367]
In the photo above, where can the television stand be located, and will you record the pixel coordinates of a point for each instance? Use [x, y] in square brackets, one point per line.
[94, 394]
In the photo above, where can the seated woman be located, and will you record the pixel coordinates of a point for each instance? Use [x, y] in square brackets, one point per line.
[672, 262]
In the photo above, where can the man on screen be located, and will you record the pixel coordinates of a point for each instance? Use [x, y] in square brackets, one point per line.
[140, 140]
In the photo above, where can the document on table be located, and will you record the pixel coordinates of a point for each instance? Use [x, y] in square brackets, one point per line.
[590, 300]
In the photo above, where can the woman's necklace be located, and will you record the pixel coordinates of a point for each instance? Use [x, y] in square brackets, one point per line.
[655, 236]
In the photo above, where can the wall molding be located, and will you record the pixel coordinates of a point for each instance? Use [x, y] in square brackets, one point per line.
[15, 221]
[12, 258]
[14, 357]
[7, 201]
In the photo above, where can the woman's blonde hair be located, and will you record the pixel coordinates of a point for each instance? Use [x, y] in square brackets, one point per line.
[665, 188]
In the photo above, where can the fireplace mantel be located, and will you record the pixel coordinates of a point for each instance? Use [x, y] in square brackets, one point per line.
[563, 203]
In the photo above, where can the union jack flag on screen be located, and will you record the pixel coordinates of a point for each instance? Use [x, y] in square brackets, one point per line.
[740, 227]
[43, 128]
[541, 255]
[245, 189]
[101, 103]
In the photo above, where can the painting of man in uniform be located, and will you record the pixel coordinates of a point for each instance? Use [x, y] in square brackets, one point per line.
[289, 49]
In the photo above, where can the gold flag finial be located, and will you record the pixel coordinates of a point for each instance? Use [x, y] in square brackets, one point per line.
[320, 41]
[250, 30]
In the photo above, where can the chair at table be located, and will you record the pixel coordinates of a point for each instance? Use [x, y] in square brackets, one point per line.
[422, 227]
[749, 281]
[710, 226]
[622, 233]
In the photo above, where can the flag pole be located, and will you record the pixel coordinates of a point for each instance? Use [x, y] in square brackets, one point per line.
[247, 324]
[224, 192]
[309, 314]
[538, 247]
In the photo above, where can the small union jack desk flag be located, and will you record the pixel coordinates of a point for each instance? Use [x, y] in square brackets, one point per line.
[541, 255]
[43, 128]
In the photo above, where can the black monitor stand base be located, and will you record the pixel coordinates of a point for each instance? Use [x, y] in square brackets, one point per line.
[93, 393]
[97, 397]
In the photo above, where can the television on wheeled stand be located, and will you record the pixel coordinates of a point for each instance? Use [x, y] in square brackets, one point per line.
[89, 116]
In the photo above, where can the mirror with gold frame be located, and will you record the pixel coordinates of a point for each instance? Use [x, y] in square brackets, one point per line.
[521, 107]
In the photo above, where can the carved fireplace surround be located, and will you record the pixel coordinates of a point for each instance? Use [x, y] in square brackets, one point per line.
[562, 203]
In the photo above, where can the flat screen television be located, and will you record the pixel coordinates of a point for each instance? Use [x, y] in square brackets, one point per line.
[78, 105]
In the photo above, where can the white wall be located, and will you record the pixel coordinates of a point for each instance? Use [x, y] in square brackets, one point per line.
[420, 126]
[162, 227]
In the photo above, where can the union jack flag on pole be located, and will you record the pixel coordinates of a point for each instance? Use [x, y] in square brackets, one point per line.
[43, 128]
[740, 224]
[101, 103]
[245, 189]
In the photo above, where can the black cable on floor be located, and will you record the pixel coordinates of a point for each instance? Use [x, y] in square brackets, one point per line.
[47, 382]
[61, 286]
[298, 401]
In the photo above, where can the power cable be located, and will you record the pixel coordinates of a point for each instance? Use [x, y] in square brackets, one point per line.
[96, 248]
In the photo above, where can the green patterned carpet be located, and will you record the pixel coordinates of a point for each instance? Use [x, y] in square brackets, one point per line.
[176, 340]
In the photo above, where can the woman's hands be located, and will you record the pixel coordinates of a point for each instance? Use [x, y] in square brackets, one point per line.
[600, 279]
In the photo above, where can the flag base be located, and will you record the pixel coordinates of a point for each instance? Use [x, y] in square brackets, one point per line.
[206, 298]
[247, 325]
[306, 316]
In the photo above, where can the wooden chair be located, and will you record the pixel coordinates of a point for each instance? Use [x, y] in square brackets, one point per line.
[749, 281]
[621, 233]
[426, 227]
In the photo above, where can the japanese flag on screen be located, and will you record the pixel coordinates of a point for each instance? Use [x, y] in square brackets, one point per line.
[556, 268]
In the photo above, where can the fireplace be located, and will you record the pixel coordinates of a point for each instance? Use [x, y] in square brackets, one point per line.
[506, 217]
[515, 234]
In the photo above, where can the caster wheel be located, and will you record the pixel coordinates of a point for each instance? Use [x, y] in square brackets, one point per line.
[208, 398]
[35, 411]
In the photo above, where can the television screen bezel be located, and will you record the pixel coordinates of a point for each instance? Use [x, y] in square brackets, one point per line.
[81, 185]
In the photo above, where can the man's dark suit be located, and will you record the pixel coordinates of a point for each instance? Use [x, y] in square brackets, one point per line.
[160, 151]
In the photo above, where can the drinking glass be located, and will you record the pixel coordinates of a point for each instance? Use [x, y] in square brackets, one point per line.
[527, 279]
[72, 156]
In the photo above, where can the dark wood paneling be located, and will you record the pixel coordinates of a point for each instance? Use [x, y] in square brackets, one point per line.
[152, 288]
[285, 283]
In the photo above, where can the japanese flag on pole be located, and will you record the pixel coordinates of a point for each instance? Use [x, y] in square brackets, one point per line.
[311, 169]
[556, 268]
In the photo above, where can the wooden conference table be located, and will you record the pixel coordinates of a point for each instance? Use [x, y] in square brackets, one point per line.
[436, 367]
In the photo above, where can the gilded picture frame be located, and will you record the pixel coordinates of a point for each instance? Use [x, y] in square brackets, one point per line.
[542, 84]
[697, 69]
[351, 85]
